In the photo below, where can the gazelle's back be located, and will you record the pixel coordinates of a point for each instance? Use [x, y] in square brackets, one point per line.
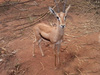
[43, 27]
[43, 30]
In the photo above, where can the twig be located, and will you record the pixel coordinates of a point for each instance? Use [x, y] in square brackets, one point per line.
[80, 71]
[69, 35]
[42, 65]
[80, 61]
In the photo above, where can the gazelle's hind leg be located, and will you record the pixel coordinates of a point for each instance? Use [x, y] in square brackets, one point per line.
[39, 43]
[37, 38]
[33, 52]
[34, 45]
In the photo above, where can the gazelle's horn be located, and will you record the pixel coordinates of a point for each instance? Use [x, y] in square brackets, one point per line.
[65, 2]
[57, 5]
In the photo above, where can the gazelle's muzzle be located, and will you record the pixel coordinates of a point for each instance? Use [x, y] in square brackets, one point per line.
[62, 26]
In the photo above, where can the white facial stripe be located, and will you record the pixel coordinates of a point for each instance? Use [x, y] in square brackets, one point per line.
[64, 18]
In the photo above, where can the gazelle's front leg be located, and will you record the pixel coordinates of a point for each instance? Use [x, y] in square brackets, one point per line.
[54, 48]
[58, 52]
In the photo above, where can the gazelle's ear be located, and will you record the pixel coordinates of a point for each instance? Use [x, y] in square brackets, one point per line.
[67, 9]
[52, 11]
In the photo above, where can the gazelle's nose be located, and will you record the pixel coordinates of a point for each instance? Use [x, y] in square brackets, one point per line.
[62, 26]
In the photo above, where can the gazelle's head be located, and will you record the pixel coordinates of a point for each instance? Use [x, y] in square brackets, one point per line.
[61, 16]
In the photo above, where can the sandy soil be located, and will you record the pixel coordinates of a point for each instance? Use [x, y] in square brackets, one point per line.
[80, 49]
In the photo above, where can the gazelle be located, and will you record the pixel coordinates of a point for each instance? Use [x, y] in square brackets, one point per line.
[54, 34]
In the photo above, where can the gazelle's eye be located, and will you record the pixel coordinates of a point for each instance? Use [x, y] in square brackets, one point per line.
[58, 18]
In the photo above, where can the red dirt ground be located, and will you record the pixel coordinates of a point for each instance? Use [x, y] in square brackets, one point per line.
[80, 49]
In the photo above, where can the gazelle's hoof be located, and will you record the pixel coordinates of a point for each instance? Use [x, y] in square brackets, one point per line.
[43, 55]
[33, 55]
[56, 67]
